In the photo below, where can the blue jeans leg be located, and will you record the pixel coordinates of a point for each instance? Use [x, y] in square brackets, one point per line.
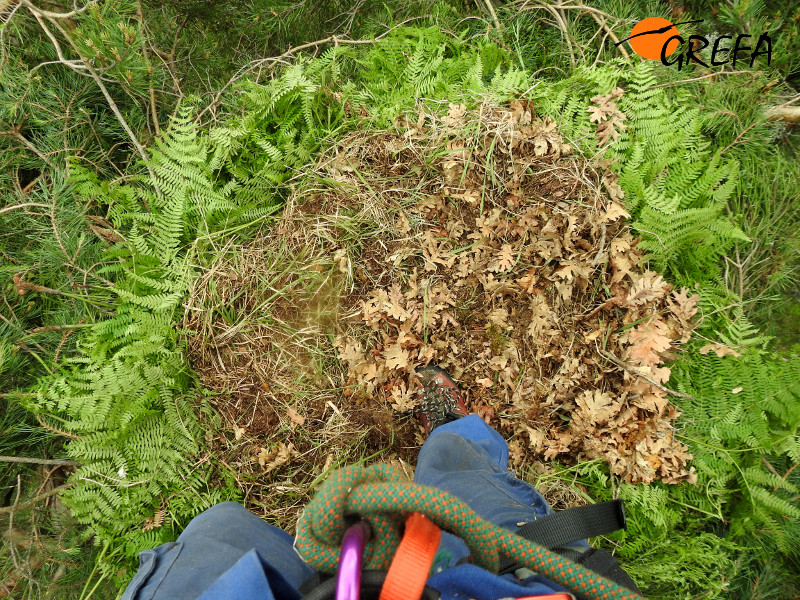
[469, 459]
[211, 544]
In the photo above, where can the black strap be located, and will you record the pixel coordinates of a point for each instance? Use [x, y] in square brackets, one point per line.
[601, 562]
[567, 526]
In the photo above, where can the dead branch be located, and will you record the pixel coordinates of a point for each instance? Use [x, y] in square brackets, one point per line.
[790, 114]
[40, 461]
[66, 15]
[85, 65]
[35, 499]
[27, 204]
[54, 430]
[634, 371]
[490, 8]
[14, 133]
[598, 15]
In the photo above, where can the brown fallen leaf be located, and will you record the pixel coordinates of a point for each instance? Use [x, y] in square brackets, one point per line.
[278, 456]
[295, 416]
[719, 349]
[396, 357]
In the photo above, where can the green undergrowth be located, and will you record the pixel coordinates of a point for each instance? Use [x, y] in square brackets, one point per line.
[741, 421]
[130, 398]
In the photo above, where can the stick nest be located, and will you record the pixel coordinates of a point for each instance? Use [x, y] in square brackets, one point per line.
[476, 240]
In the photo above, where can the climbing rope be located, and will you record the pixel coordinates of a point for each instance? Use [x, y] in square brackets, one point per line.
[382, 496]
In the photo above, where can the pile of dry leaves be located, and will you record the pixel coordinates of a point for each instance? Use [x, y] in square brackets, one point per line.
[477, 241]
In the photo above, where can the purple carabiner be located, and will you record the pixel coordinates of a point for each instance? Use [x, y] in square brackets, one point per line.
[348, 575]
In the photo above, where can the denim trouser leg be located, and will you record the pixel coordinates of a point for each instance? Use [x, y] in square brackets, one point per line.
[469, 459]
[225, 535]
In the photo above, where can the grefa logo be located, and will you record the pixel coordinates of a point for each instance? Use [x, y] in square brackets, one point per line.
[658, 39]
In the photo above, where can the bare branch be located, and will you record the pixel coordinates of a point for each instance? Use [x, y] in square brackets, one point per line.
[634, 371]
[790, 114]
[15, 206]
[490, 8]
[66, 15]
[35, 499]
[40, 461]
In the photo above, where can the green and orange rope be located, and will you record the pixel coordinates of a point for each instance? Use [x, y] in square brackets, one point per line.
[383, 497]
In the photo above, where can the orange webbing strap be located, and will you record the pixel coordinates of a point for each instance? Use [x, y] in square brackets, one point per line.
[412, 562]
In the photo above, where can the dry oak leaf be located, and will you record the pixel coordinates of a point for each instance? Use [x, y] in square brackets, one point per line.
[615, 192]
[719, 349]
[651, 286]
[455, 114]
[610, 130]
[394, 308]
[684, 307]
[403, 225]
[597, 407]
[350, 351]
[278, 456]
[647, 340]
[622, 260]
[504, 259]
[614, 212]
[499, 316]
[396, 357]
[651, 401]
[295, 416]
[558, 446]
[403, 399]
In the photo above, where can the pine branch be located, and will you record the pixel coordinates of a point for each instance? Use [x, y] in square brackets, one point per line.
[86, 65]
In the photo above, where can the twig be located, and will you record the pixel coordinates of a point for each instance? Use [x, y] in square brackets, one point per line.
[15, 206]
[35, 499]
[738, 137]
[788, 102]
[29, 145]
[563, 26]
[113, 105]
[146, 56]
[3, 55]
[790, 114]
[66, 15]
[76, 66]
[54, 430]
[634, 371]
[599, 255]
[11, 510]
[490, 8]
[669, 83]
[604, 26]
[598, 15]
[40, 461]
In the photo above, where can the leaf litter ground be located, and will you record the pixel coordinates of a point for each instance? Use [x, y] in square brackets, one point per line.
[476, 240]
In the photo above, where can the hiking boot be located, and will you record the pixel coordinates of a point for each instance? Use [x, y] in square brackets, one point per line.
[441, 401]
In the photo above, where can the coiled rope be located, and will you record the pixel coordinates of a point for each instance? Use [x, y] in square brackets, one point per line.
[381, 495]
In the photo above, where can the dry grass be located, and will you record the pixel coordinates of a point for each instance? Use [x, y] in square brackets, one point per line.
[477, 241]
